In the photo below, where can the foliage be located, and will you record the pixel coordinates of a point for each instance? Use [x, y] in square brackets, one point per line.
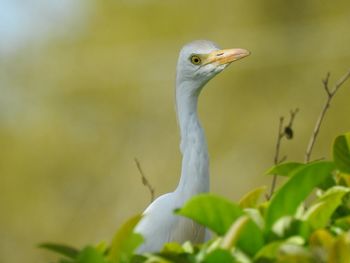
[289, 227]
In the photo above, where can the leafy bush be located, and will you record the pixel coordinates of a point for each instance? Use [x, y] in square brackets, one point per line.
[290, 226]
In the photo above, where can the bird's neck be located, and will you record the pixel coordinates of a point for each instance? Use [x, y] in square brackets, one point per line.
[195, 161]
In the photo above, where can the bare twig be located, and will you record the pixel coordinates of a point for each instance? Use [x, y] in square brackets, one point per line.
[279, 139]
[293, 113]
[145, 181]
[330, 95]
[276, 158]
[288, 133]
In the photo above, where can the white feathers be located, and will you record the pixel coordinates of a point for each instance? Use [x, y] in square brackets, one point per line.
[159, 224]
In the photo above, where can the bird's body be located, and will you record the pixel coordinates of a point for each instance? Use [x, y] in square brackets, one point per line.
[198, 62]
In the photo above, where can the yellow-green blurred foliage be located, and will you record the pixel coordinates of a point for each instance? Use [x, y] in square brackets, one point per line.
[80, 100]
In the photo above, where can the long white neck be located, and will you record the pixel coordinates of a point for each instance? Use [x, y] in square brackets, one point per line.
[195, 161]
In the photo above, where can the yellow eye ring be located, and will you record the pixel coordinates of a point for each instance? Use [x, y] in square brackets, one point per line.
[195, 60]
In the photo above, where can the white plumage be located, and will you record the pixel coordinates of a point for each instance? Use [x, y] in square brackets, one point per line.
[198, 62]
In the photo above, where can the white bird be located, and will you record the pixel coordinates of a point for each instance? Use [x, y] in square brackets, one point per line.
[199, 61]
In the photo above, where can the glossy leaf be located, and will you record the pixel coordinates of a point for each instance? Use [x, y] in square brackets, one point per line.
[125, 241]
[321, 238]
[245, 234]
[340, 252]
[102, 247]
[138, 259]
[341, 152]
[218, 214]
[172, 248]
[290, 252]
[90, 255]
[211, 211]
[343, 223]
[296, 189]
[284, 169]
[269, 251]
[282, 225]
[219, 255]
[251, 239]
[250, 200]
[344, 179]
[256, 216]
[328, 183]
[231, 237]
[289, 226]
[168, 257]
[188, 247]
[61, 249]
[319, 214]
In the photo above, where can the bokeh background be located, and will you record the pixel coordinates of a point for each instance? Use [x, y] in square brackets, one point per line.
[86, 86]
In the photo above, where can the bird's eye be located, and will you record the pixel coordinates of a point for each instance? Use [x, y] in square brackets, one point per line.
[196, 60]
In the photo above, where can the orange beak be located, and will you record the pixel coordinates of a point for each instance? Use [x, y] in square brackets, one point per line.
[226, 56]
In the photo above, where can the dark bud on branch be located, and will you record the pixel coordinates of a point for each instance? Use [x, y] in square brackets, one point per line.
[288, 132]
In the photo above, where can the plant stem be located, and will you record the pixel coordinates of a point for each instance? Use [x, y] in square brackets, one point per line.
[286, 132]
[276, 158]
[144, 179]
[330, 95]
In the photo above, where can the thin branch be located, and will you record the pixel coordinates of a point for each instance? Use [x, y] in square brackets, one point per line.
[286, 132]
[278, 142]
[276, 158]
[282, 159]
[144, 179]
[325, 84]
[330, 95]
[293, 113]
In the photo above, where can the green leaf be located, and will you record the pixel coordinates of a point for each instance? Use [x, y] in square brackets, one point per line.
[220, 215]
[188, 247]
[219, 255]
[290, 252]
[341, 152]
[343, 223]
[344, 179]
[211, 211]
[256, 216]
[90, 255]
[319, 214]
[245, 234]
[296, 189]
[284, 169]
[250, 200]
[102, 247]
[170, 257]
[231, 237]
[328, 183]
[251, 238]
[125, 241]
[321, 238]
[172, 248]
[269, 251]
[289, 226]
[340, 252]
[64, 250]
[139, 259]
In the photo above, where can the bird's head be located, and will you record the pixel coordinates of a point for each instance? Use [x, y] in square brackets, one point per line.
[200, 60]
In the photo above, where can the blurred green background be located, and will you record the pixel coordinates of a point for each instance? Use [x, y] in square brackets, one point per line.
[86, 86]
